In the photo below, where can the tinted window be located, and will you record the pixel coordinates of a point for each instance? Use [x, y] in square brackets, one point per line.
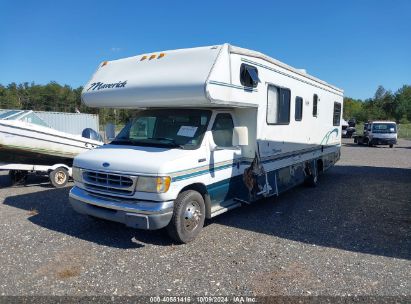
[298, 108]
[337, 114]
[223, 130]
[278, 105]
[315, 105]
[249, 76]
[384, 128]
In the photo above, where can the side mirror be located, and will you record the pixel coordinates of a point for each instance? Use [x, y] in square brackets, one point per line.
[213, 146]
[240, 136]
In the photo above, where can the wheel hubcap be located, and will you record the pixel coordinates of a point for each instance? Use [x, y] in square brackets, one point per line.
[60, 177]
[192, 216]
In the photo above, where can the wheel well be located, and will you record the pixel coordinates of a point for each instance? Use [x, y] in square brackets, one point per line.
[202, 189]
[320, 166]
[54, 167]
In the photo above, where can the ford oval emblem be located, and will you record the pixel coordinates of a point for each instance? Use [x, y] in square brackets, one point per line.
[105, 165]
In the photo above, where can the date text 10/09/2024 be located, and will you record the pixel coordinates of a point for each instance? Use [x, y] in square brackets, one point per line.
[203, 299]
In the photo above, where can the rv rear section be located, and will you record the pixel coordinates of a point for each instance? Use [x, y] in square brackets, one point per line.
[219, 127]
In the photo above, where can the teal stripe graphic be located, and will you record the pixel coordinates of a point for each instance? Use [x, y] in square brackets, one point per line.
[202, 172]
[186, 174]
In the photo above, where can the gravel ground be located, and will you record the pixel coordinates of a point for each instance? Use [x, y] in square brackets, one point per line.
[349, 236]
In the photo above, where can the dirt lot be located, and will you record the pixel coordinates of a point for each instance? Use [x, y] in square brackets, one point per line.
[349, 236]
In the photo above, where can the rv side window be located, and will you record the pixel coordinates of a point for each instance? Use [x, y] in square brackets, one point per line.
[278, 105]
[337, 114]
[223, 130]
[249, 76]
[298, 108]
[315, 105]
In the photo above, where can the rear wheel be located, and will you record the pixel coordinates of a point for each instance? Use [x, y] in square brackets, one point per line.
[311, 179]
[188, 217]
[391, 145]
[59, 177]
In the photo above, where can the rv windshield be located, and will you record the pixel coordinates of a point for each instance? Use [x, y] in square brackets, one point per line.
[174, 128]
[384, 128]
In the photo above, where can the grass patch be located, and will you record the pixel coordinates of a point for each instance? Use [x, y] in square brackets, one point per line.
[404, 131]
[68, 273]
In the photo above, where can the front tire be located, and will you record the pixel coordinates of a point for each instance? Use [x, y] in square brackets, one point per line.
[59, 177]
[188, 217]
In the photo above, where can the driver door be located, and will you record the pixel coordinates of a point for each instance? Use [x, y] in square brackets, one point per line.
[224, 161]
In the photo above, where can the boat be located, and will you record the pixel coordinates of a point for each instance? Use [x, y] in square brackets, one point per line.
[27, 139]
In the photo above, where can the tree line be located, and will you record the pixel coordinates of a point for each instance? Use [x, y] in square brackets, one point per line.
[54, 97]
[384, 105]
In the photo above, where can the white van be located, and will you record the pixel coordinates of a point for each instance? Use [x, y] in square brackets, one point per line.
[219, 127]
[378, 133]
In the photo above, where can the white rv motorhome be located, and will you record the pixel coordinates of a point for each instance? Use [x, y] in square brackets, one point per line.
[219, 126]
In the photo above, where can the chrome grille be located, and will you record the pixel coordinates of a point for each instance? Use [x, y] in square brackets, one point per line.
[109, 182]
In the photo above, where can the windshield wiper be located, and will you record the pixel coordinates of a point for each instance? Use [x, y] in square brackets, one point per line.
[121, 142]
[171, 142]
[129, 142]
[162, 138]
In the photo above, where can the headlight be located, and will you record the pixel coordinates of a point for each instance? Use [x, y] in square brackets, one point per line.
[76, 173]
[153, 184]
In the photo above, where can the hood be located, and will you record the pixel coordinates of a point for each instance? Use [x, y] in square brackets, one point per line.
[137, 160]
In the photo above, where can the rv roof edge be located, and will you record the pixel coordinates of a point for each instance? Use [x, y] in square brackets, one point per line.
[251, 53]
[195, 77]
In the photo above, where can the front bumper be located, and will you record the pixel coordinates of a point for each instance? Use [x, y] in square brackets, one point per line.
[133, 213]
[383, 141]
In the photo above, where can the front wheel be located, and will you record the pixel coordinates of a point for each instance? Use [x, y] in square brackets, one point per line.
[188, 217]
[59, 177]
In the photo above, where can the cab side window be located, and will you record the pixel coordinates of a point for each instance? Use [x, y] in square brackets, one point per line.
[223, 130]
